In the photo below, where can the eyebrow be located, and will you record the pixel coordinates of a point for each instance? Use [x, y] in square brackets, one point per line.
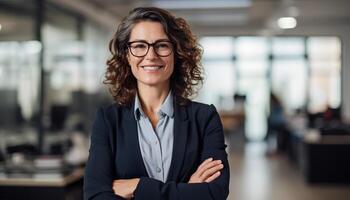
[160, 40]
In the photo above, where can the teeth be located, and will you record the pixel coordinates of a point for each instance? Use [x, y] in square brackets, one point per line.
[151, 68]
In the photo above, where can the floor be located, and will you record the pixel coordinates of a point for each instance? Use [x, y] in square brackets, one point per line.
[255, 176]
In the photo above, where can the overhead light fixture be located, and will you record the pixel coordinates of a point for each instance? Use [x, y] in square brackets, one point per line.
[287, 22]
[0, 27]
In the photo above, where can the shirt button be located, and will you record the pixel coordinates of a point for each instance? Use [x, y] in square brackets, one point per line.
[161, 114]
[158, 170]
[156, 142]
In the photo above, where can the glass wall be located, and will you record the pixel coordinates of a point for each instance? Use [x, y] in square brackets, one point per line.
[289, 71]
[325, 68]
[252, 63]
[219, 68]
[303, 72]
[74, 54]
[19, 74]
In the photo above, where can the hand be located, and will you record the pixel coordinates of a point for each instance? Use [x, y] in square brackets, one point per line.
[125, 187]
[208, 171]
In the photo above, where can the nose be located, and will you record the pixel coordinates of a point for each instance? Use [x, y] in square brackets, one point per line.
[151, 54]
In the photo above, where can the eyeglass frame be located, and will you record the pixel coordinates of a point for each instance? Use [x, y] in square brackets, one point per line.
[149, 45]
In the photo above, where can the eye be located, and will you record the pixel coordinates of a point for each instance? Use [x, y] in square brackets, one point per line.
[163, 45]
[138, 46]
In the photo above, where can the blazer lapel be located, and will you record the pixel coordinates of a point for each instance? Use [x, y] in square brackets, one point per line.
[181, 128]
[132, 140]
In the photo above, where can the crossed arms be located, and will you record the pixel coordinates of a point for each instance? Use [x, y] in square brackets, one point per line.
[209, 182]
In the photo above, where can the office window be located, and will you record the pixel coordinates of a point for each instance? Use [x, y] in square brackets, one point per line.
[288, 46]
[219, 83]
[252, 67]
[19, 83]
[289, 82]
[251, 48]
[289, 71]
[302, 72]
[217, 48]
[325, 71]
[73, 71]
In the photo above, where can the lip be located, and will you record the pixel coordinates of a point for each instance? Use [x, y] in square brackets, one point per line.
[155, 65]
[152, 68]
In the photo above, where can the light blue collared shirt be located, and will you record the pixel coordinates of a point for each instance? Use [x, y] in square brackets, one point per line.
[156, 145]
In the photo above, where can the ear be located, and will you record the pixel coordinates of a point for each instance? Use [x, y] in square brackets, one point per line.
[128, 56]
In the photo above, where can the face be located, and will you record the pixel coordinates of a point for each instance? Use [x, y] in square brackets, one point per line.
[151, 69]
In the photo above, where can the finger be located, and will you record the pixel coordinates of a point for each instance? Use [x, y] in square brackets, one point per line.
[204, 163]
[208, 166]
[213, 177]
[116, 185]
[196, 178]
[211, 171]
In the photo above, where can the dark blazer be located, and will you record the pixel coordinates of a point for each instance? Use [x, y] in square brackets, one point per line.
[115, 154]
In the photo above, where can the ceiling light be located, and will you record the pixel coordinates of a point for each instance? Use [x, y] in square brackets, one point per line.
[0, 27]
[287, 22]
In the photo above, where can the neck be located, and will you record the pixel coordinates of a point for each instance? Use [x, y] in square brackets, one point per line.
[151, 98]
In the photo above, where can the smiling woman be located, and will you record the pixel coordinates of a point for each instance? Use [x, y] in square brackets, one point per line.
[148, 67]
[154, 142]
[185, 50]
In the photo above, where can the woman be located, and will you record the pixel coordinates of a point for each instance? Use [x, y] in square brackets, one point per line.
[154, 143]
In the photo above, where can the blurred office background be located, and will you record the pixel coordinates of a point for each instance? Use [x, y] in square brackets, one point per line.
[276, 70]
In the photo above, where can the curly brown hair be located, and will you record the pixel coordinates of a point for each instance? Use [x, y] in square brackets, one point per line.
[187, 69]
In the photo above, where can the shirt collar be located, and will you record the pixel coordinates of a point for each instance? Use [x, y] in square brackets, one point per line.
[167, 107]
[137, 109]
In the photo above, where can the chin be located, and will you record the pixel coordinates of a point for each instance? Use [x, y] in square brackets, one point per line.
[154, 82]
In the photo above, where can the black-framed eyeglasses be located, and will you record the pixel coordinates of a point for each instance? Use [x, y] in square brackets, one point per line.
[162, 48]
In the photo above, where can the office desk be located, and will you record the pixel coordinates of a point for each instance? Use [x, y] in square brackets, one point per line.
[327, 160]
[63, 188]
[231, 120]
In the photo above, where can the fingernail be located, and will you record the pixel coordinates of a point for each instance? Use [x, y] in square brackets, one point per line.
[219, 161]
[210, 159]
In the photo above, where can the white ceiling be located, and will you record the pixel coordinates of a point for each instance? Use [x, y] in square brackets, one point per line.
[237, 16]
[220, 17]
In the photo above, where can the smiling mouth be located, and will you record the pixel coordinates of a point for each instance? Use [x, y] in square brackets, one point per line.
[151, 68]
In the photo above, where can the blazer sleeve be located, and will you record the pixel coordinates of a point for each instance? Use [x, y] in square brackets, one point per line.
[99, 171]
[213, 146]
